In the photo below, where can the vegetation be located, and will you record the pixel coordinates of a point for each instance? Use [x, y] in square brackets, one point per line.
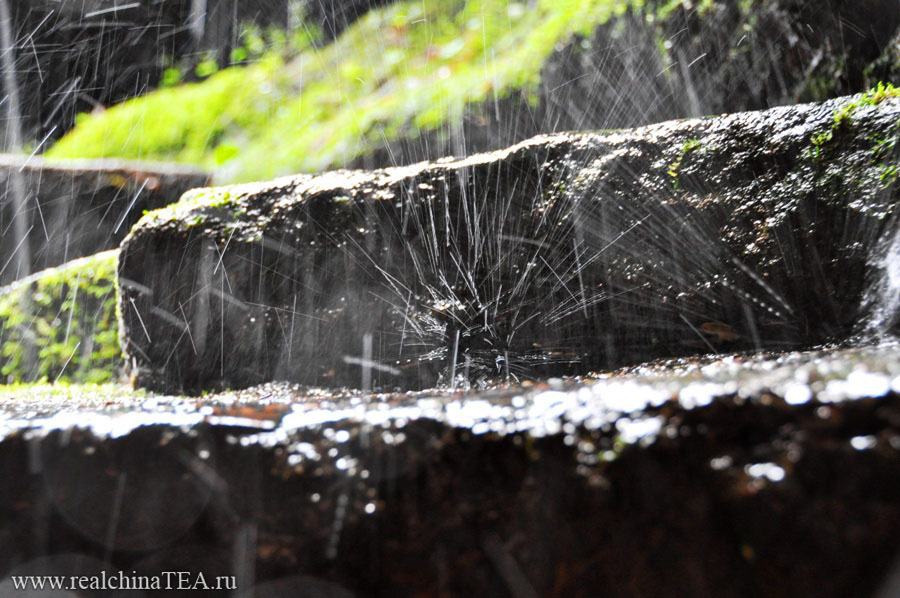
[665, 10]
[84, 393]
[60, 325]
[413, 66]
[876, 95]
[686, 148]
[843, 116]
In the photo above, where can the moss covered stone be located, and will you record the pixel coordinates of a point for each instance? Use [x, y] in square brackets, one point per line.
[60, 324]
[559, 255]
[331, 105]
[454, 77]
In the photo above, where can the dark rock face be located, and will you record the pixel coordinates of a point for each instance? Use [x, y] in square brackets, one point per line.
[79, 208]
[730, 57]
[74, 57]
[563, 254]
[775, 476]
[887, 67]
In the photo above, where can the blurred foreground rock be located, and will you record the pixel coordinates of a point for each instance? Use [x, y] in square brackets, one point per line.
[743, 476]
[77, 208]
[560, 255]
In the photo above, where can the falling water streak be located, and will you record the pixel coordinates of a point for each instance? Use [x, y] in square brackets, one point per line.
[66, 364]
[698, 333]
[36, 149]
[197, 21]
[884, 296]
[21, 230]
[105, 11]
[115, 513]
[245, 558]
[751, 325]
[14, 140]
[221, 322]
[74, 303]
[367, 362]
[516, 581]
[140, 319]
[15, 251]
[453, 361]
[340, 513]
[128, 209]
[187, 327]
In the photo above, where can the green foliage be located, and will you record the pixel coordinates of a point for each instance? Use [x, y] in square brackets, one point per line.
[170, 78]
[889, 174]
[64, 320]
[844, 115]
[842, 118]
[884, 152]
[207, 67]
[410, 67]
[686, 148]
[666, 10]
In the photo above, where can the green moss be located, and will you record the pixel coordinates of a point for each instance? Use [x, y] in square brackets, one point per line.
[195, 207]
[411, 67]
[842, 118]
[884, 150]
[844, 115]
[687, 147]
[179, 123]
[60, 324]
[84, 394]
[666, 10]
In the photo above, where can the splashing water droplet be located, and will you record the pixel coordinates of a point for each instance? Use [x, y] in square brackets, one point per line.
[883, 298]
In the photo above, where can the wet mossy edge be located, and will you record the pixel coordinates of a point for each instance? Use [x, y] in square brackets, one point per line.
[61, 324]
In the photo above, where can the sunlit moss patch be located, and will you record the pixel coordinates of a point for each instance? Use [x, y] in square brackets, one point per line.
[410, 67]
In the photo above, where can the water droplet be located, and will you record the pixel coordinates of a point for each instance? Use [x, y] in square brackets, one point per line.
[862, 443]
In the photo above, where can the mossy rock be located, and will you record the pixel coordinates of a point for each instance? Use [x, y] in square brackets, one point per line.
[560, 255]
[60, 324]
[276, 117]
[455, 77]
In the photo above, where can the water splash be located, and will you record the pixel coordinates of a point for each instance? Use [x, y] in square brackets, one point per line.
[883, 298]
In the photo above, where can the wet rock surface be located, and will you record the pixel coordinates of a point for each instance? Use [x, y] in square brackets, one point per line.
[730, 476]
[561, 255]
[77, 208]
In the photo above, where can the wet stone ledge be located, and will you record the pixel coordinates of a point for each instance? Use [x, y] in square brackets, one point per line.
[561, 255]
[775, 475]
[74, 208]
